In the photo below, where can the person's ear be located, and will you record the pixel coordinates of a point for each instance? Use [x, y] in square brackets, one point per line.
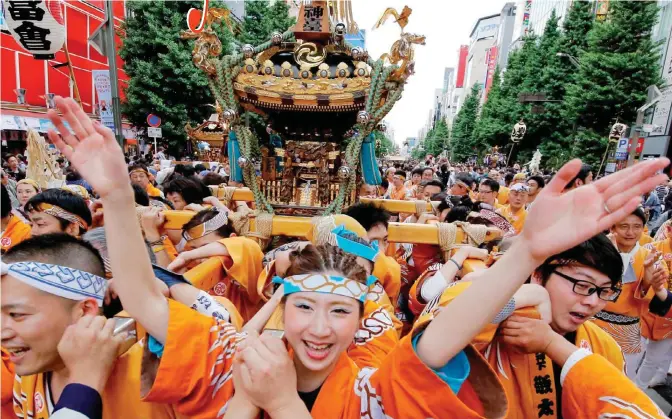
[85, 307]
[535, 278]
[232, 235]
[72, 230]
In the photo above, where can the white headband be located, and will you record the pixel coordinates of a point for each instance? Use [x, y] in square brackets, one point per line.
[61, 281]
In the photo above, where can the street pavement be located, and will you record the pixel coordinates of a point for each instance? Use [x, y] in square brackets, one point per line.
[662, 395]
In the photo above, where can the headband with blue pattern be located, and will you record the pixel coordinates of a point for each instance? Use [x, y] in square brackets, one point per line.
[61, 281]
[326, 284]
[368, 252]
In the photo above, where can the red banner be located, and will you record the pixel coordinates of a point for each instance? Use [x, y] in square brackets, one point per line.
[461, 66]
[491, 60]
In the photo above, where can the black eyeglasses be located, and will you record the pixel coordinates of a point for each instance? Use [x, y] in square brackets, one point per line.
[588, 288]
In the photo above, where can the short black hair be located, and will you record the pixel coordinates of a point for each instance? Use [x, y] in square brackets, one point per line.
[141, 195]
[72, 175]
[491, 183]
[458, 213]
[451, 201]
[417, 171]
[205, 215]
[137, 166]
[200, 167]
[540, 180]
[58, 249]
[67, 200]
[597, 252]
[191, 192]
[384, 183]
[508, 177]
[189, 171]
[582, 175]
[639, 212]
[427, 168]
[465, 177]
[212, 178]
[433, 182]
[368, 215]
[400, 173]
[6, 203]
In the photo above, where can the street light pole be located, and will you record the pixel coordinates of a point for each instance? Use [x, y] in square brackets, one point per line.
[635, 129]
[112, 64]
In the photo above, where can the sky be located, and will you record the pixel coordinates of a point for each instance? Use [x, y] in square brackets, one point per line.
[446, 24]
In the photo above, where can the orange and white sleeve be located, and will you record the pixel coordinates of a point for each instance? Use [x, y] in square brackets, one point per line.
[194, 370]
[593, 388]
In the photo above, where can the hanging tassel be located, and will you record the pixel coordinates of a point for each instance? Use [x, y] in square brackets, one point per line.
[236, 172]
[367, 158]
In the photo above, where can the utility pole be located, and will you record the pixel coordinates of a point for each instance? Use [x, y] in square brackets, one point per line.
[111, 53]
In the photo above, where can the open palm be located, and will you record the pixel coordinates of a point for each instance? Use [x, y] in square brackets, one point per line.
[92, 150]
[559, 221]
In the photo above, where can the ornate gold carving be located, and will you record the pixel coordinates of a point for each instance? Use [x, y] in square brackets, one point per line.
[309, 54]
[305, 73]
[402, 50]
[268, 68]
[286, 70]
[342, 70]
[323, 71]
[272, 86]
[249, 67]
[361, 69]
[207, 43]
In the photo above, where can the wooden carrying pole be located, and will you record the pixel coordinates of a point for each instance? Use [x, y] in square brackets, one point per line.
[75, 89]
[302, 227]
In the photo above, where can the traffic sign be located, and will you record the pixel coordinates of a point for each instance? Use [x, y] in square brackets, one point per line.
[153, 121]
[154, 132]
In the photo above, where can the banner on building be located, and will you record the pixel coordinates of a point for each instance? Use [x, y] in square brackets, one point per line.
[38, 26]
[101, 79]
[526, 16]
[491, 62]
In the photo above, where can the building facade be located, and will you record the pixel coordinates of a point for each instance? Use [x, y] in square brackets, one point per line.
[20, 70]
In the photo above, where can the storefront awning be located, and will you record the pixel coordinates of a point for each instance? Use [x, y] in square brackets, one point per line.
[23, 120]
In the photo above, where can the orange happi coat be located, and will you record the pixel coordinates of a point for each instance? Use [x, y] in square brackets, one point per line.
[399, 386]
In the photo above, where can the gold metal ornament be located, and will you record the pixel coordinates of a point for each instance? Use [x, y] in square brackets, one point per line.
[342, 70]
[308, 53]
[268, 68]
[286, 69]
[402, 50]
[250, 67]
[207, 43]
[276, 38]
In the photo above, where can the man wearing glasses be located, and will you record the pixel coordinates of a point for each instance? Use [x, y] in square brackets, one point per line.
[564, 292]
[488, 191]
[621, 318]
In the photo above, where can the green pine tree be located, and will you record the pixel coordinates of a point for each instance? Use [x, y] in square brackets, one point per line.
[560, 73]
[277, 18]
[462, 142]
[163, 78]
[255, 24]
[492, 127]
[620, 61]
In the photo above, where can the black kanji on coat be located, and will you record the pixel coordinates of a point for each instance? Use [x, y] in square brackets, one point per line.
[542, 384]
[545, 408]
[33, 37]
[25, 10]
[541, 360]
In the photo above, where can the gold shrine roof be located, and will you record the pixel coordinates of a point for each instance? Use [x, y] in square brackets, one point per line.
[305, 76]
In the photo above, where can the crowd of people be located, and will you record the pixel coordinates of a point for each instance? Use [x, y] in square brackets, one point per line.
[571, 318]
